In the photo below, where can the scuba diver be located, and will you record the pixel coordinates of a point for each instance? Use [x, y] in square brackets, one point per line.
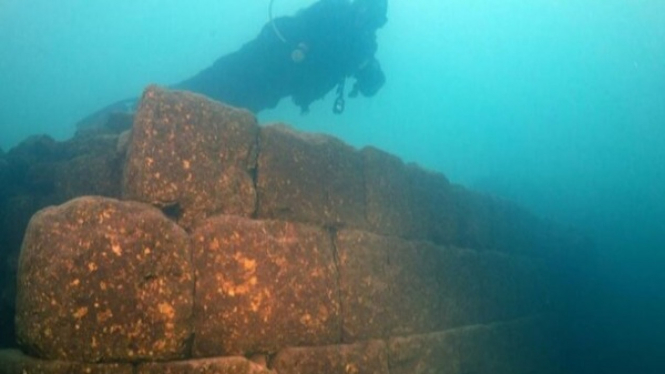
[303, 56]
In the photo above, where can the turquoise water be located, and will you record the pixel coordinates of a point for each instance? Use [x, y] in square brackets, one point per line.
[559, 105]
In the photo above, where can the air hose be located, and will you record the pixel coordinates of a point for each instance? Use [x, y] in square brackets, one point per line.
[274, 26]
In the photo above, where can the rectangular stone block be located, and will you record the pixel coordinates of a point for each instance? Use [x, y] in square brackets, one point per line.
[433, 195]
[103, 174]
[521, 346]
[361, 358]
[515, 347]
[218, 365]
[408, 201]
[262, 286]
[102, 280]
[473, 219]
[390, 206]
[513, 286]
[392, 287]
[489, 223]
[435, 352]
[192, 155]
[15, 362]
[309, 178]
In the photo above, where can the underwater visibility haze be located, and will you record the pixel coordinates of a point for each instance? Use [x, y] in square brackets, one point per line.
[558, 105]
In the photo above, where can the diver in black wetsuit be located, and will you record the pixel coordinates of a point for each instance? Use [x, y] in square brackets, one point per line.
[304, 56]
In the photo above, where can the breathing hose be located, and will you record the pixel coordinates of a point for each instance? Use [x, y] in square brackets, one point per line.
[272, 23]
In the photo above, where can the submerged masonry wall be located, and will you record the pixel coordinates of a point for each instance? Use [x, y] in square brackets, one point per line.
[231, 248]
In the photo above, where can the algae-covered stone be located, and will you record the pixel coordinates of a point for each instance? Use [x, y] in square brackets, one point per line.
[15, 362]
[435, 352]
[390, 208]
[104, 280]
[262, 286]
[474, 216]
[408, 201]
[310, 178]
[393, 287]
[389, 286]
[361, 358]
[432, 196]
[489, 223]
[514, 286]
[192, 155]
[102, 177]
[218, 365]
[518, 346]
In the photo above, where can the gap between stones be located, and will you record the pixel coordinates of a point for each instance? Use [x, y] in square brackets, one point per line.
[332, 232]
[253, 169]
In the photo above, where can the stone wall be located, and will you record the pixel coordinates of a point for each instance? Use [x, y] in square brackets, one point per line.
[232, 248]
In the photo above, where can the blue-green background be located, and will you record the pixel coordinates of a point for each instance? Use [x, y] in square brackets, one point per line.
[558, 105]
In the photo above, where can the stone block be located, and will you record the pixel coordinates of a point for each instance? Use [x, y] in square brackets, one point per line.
[104, 280]
[514, 230]
[430, 353]
[309, 178]
[408, 201]
[263, 285]
[514, 347]
[392, 287]
[433, 196]
[489, 223]
[513, 286]
[360, 358]
[474, 212]
[15, 362]
[390, 208]
[103, 174]
[193, 156]
[218, 365]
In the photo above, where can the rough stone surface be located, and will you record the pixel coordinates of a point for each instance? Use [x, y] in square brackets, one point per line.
[394, 287]
[342, 246]
[15, 362]
[104, 280]
[310, 178]
[262, 286]
[519, 346]
[436, 352]
[41, 172]
[192, 155]
[89, 175]
[389, 197]
[361, 358]
[513, 286]
[516, 347]
[488, 223]
[222, 365]
[388, 286]
[433, 195]
[407, 201]
[15, 213]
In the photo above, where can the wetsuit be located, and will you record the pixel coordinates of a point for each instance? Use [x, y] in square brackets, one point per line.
[303, 56]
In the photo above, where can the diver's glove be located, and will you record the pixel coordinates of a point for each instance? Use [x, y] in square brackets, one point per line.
[369, 79]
